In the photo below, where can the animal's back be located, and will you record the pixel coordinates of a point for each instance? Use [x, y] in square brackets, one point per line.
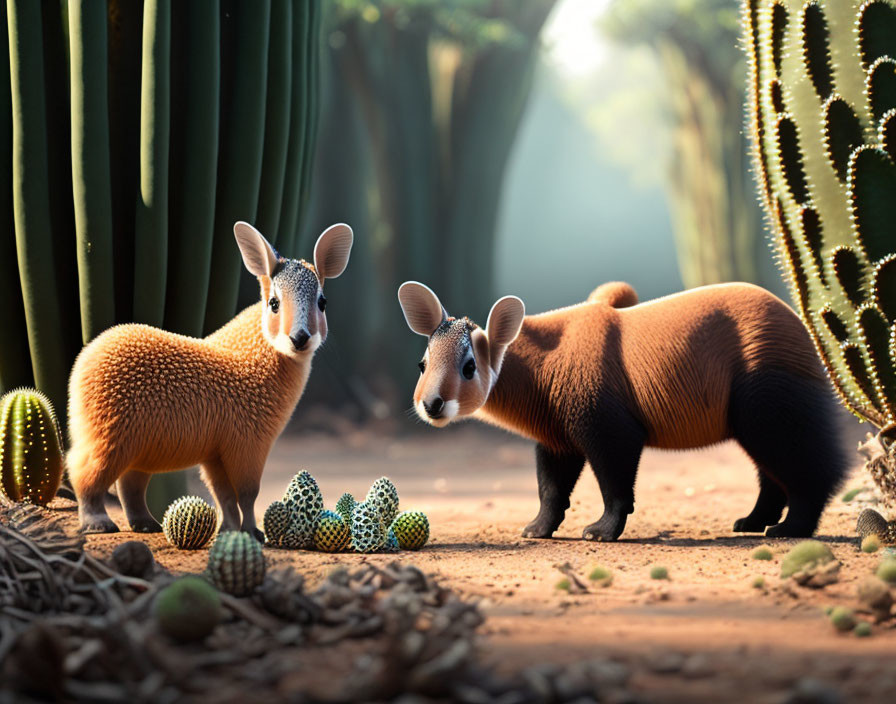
[675, 360]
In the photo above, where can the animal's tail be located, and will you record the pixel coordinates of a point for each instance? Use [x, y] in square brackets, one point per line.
[616, 294]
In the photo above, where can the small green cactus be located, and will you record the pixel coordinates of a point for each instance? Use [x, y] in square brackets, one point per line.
[331, 533]
[758, 582]
[870, 544]
[563, 585]
[805, 555]
[384, 496]
[862, 629]
[304, 495]
[762, 553]
[281, 527]
[236, 563]
[30, 447]
[189, 523]
[887, 571]
[367, 531]
[601, 576]
[659, 572]
[345, 506]
[411, 528]
[842, 618]
[188, 609]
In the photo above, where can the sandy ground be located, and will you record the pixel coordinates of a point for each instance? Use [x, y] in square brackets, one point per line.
[705, 635]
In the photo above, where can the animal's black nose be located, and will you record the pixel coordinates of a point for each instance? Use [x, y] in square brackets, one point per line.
[300, 339]
[434, 409]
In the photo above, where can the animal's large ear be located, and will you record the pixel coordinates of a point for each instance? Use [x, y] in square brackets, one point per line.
[504, 323]
[332, 250]
[258, 255]
[421, 307]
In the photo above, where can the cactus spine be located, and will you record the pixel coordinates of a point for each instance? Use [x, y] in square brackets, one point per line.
[30, 447]
[189, 523]
[236, 563]
[821, 103]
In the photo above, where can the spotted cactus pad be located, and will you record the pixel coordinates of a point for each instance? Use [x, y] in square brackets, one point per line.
[367, 531]
[303, 494]
[384, 496]
[189, 523]
[331, 533]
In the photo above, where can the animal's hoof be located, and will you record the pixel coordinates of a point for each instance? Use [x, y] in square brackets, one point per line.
[748, 525]
[537, 530]
[98, 525]
[783, 530]
[602, 532]
[146, 525]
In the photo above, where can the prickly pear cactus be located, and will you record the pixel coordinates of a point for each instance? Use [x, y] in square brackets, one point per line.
[367, 531]
[303, 494]
[281, 527]
[331, 533]
[345, 506]
[384, 496]
[236, 563]
[822, 105]
[411, 529]
[189, 523]
[30, 447]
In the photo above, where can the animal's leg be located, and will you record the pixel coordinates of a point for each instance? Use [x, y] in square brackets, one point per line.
[216, 479]
[247, 492]
[768, 509]
[557, 476]
[787, 424]
[132, 492]
[614, 458]
[91, 475]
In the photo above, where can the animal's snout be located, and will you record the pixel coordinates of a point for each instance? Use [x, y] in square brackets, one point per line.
[300, 339]
[434, 408]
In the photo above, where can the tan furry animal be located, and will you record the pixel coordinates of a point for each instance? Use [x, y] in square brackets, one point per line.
[601, 380]
[143, 400]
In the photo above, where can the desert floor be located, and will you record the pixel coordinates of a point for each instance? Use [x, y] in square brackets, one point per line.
[704, 635]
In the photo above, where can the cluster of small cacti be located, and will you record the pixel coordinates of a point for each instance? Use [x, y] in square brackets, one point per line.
[236, 563]
[375, 524]
[190, 523]
[823, 113]
[30, 448]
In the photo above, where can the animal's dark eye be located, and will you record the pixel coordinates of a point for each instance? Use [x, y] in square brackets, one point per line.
[274, 304]
[469, 369]
[322, 303]
[422, 365]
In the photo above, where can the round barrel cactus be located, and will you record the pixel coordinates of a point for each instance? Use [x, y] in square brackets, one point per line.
[411, 529]
[30, 447]
[189, 523]
[188, 609]
[236, 563]
[384, 496]
[331, 533]
[281, 527]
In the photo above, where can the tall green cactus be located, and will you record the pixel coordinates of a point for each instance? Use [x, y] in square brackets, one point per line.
[136, 134]
[822, 104]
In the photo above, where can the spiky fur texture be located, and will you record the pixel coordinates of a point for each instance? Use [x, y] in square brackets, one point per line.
[143, 400]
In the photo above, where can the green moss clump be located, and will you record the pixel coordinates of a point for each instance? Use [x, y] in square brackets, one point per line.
[759, 582]
[188, 609]
[842, 618]
[601, 575]
[762, 553]
[862, 629]
[887, 571]
[563, 585]
[805, 555]
[658, 572]
[870, 543]
[850, 495]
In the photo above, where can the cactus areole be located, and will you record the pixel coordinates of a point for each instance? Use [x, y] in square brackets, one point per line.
[822, 109]
[30, 447]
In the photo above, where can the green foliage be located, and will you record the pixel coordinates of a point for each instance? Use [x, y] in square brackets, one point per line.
[842, 618]
[851, 494]
[601, 576]
[758, 582]
[805, 555]
[870, 543]
[717, 224]
[30, 447]
[762, 553]
[188, 609]
[862, 629]
[236, 563]
[563, 585]
[887, 571]
[839, 261]
[189, 523]
[659, 572]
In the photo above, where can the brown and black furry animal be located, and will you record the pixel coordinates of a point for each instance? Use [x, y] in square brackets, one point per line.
[601, 380]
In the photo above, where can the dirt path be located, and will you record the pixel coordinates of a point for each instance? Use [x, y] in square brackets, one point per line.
[706, 634]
